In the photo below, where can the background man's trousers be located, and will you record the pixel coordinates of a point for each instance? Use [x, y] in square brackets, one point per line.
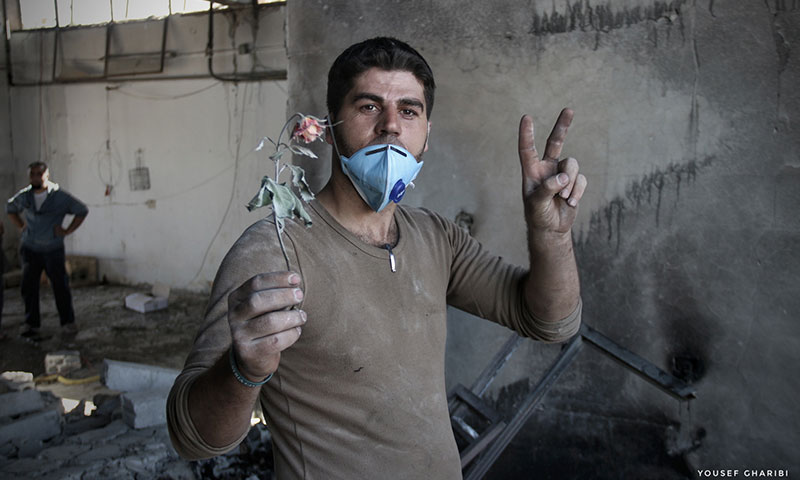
[54, 264]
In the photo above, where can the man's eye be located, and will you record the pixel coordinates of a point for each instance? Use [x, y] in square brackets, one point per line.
[369, 108]
[408, 112]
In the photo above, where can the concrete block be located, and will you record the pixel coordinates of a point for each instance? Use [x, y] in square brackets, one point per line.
[62, 454]
[17, 381]
[86, 424]
[76, 472]
[62, 362]
[145, 408]
[17, 403]
[158, 299]
[30, 449]
[37, 426]
[101, 452]
[131, 377]
[105, 434]
[28, 466]
[106, 404]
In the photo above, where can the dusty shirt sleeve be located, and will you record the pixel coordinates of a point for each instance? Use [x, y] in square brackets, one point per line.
[487, 286]
[256, 251]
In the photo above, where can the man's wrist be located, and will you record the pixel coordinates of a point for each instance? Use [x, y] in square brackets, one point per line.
[240, 376]
[547, 240]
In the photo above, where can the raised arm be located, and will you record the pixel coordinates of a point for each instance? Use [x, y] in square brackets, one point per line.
[551, 190]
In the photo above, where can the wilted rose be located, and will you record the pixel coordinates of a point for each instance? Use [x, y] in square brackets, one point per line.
[308, 130]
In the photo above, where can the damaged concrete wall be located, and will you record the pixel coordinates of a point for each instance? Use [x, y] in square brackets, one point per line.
[195, 134]
[687, 237]
[7, 179]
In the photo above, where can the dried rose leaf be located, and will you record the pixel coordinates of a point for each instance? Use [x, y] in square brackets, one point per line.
[299, 181]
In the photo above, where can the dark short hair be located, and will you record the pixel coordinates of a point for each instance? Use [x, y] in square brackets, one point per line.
[380, 52]
[37, 164]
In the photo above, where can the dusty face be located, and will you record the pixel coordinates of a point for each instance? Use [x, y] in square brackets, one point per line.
[383, 107]
[38, 177]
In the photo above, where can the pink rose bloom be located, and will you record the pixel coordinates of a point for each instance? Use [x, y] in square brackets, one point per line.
[308, 130]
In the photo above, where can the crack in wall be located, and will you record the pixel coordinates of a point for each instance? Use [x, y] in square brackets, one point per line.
[694, 115]
[782, 47]
[602, 18]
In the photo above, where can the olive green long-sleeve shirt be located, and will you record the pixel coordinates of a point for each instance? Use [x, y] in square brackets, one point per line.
[362, 393]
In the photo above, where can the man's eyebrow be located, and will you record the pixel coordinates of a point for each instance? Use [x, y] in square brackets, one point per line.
[408, 102]
[367, 96]
[412, 102]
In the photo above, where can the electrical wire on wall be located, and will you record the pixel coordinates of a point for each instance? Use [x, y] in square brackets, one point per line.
[42, 129]
[235, 174]
[108, 157]
[167, 97]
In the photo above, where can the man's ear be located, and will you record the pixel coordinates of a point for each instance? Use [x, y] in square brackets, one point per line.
[328, 130]
[427, 137]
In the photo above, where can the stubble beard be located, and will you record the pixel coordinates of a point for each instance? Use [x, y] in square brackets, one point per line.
[348, 150]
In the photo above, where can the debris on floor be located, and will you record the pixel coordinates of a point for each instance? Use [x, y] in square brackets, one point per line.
[157, 299]
[91, 406]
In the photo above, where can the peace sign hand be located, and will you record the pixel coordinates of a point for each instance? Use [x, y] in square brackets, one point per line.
[551, 189]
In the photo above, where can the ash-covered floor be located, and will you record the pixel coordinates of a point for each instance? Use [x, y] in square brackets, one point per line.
[103, 446]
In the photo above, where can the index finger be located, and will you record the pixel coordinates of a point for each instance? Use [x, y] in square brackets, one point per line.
[556, 139]
[264, 281]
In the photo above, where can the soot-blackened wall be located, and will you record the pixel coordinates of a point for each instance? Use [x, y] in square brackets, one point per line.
[688, 237]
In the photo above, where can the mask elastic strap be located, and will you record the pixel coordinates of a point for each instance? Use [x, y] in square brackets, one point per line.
[333, 137]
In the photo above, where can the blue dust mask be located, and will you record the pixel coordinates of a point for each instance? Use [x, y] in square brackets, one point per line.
[381, 173]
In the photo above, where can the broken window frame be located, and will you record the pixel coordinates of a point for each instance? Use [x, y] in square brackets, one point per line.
[14, 25]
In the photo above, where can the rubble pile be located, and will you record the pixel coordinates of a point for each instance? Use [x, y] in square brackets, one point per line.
[39, 440]
[121, 435]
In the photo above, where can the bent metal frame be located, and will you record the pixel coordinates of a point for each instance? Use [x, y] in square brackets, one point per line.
[483, 448]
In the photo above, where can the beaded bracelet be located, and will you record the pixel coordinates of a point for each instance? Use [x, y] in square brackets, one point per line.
[240, 377]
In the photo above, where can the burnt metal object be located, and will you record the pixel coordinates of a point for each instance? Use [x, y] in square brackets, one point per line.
[638, 365]
[483, 448]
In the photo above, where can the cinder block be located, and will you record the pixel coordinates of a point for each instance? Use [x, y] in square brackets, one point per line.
[102, 452]
[101, 435]
[17, 380]
[62, 362]
[37, 426]
[145, 408]
[86, 424]
[17, 403]
[132, 377]
[158, 299]
[62, 454]
[30, 449]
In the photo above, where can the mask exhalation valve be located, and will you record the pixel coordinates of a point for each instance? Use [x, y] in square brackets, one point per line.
[398, 191]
